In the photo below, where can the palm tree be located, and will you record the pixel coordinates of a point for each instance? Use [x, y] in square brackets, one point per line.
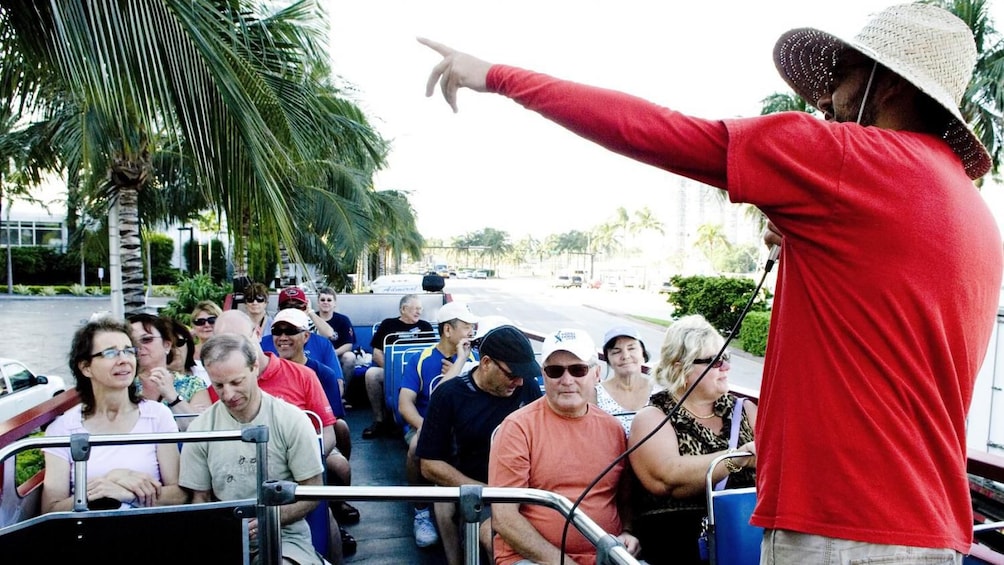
[226, 86]
[711, 241]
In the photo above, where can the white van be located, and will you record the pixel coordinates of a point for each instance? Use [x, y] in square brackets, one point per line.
[396, 283]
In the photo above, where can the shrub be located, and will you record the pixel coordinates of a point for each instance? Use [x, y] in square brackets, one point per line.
[189, 292]
[753, 335]
[78, 290]
[718, 299]
[97, 291]
[22, 289]
[27, 463]
[47, 291]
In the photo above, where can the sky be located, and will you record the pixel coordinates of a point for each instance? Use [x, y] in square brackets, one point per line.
[496, 165]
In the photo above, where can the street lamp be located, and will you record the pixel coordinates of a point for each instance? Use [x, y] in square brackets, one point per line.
[181, 245]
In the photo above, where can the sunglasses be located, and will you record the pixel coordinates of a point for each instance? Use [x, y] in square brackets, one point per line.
[180, 342]
[257, 298]
[506, 372]
[286, 331]
[557, 371]
[148, 339]
[111, 352]
[211, 320]
[717, 364]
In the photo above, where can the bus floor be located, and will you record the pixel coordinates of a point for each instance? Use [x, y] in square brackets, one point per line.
[384, 532]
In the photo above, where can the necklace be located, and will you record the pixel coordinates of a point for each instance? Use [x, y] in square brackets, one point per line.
[699, 417]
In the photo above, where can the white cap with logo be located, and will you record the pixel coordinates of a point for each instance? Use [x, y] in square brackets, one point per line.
[293, 317]
[456, 311]
[575, 341]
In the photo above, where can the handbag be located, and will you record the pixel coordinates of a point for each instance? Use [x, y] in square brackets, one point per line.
[737, 419]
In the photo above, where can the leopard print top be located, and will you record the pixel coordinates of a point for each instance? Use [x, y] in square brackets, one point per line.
[695, 439]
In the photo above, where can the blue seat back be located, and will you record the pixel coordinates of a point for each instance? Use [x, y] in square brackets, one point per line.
[317, 519]
[396, 356]
[732, 539]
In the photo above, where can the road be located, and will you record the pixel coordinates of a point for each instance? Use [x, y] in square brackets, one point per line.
[38, 330]
[534, 304]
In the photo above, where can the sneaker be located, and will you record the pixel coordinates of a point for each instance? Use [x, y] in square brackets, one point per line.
[425, 530]
[381, 429]
[345, 513]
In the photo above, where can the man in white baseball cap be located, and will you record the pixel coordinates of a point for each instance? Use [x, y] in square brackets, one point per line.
[889, 283]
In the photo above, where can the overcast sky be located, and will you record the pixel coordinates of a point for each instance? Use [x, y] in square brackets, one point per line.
[497, 165]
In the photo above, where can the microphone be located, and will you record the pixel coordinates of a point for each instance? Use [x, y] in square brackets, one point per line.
[775, 253]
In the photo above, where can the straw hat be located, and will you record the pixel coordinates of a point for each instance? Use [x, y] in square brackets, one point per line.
[924, 44]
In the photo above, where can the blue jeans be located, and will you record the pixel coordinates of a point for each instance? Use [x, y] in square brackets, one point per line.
[782, 547]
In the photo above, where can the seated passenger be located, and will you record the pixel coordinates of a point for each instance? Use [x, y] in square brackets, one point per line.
[439, 362]
[317, 348]
[409, 320]
[182, 393]
[228, 470]
[255, 306]
[457, 430]
[559, 443]
[203, 317]
[673, 463]
[182, 349]
[343, 338]
[627, 391]
[103, 363]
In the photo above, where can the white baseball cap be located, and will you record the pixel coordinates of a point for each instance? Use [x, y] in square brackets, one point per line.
[293, 317]
[456, 311]
[575, 341]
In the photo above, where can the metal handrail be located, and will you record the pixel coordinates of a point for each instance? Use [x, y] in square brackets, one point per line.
[605, 543]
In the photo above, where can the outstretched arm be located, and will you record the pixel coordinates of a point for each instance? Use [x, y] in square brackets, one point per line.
[457, 70]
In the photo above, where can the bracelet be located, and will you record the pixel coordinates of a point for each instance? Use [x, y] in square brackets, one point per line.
[731, 466]
[177, 400]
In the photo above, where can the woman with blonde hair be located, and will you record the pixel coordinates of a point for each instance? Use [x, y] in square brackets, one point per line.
[673, 463]
[203, 319]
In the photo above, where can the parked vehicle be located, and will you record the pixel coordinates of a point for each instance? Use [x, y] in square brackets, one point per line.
[20, 389]
[562, 281]
[396, 283]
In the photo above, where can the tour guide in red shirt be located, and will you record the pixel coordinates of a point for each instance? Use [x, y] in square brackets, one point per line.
[889, 277]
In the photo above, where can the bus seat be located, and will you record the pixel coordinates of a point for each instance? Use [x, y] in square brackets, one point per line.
[733, 540]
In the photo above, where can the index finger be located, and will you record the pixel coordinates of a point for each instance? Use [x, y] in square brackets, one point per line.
[436, 46]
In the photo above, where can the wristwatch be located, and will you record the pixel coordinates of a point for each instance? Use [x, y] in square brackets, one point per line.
[177, 400]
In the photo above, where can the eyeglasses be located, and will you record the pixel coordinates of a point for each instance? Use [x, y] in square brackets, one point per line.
[257, 298]
[717, 364]
[148, 339]
[557, 371]
[111, 352]
[211, 320]
[322, 299]
[506, 372]
[286, 331]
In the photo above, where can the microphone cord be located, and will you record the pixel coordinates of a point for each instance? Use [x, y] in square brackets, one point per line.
[768, 265]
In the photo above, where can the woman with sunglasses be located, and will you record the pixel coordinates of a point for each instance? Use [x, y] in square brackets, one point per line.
[256, 303]
[627, 391]
[103, 362]
[203, 318]
[182, 393]
[672, 465]
[182, 350]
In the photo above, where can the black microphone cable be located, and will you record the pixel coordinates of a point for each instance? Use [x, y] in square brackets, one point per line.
[775, 251]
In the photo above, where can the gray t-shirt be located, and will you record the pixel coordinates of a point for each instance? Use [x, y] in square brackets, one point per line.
[229, 468]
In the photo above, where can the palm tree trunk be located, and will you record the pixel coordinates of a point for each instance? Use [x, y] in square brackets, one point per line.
[114, 262]
[130, 249]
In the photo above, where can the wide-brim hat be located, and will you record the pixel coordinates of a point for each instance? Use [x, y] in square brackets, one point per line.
[926, 45]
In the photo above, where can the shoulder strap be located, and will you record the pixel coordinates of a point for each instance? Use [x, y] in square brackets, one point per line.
[737, 420]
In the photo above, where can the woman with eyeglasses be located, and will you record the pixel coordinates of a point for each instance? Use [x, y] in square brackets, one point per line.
[672, 465]
[182, 393]
[203, 319]
[627, 390]
[256, 303]
[103, 362]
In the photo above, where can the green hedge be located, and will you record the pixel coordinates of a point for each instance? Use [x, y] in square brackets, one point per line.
[753, 334]
[718, 299]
